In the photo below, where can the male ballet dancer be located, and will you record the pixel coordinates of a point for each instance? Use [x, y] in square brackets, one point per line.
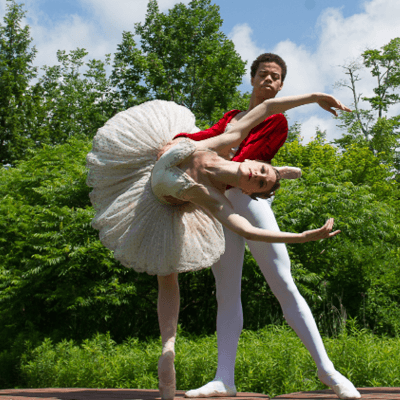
[268, 72]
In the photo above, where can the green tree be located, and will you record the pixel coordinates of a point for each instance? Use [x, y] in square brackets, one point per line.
[184, 57]
[76, 97]
[56, 278]
[294, 132]
[16, 71]
[372, 127]
[350, 271]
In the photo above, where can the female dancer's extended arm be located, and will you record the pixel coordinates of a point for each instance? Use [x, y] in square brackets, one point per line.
[234, 136]
[214, 201]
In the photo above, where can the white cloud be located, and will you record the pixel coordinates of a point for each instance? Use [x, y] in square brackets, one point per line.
[246, 47]
[304, 74]
[99, 34]
[123, 14]
[341, 40]
[2, 9]
[71, 33]
[309, 128]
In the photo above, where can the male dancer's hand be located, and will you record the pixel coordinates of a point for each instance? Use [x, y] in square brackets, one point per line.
[320, 233]
[328, 102]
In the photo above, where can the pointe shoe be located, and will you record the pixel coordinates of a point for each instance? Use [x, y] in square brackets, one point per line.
[212, 389]
[289, 172]
[166, 376]
[343, 389]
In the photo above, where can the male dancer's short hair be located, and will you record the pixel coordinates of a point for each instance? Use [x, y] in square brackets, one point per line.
[268, 57]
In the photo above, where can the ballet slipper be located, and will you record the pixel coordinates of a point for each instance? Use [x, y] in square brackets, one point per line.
[213, 389]
[166, 375]
[289, 172]
[342, 387]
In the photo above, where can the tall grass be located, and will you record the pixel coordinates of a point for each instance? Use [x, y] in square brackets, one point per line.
[271, 361]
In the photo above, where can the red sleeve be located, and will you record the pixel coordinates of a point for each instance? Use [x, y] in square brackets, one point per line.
[264, 140]
[215, 130]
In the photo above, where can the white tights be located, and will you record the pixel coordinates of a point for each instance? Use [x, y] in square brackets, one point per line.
[274, 262]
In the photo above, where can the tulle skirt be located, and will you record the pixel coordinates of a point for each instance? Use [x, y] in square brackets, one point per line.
[143, 233]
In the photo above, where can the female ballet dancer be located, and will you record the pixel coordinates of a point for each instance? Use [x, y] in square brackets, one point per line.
[164, 217]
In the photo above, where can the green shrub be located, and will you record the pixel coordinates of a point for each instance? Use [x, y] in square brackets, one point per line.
[271, 361]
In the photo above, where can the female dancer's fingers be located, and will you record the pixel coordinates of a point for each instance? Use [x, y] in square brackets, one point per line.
[321, 233]
[328, 225]
[332, 234]
[328, 228]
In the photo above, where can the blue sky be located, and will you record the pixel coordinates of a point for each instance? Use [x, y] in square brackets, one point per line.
[294, 20]
[314, 37]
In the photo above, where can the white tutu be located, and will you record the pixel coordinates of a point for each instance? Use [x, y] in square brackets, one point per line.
[145, 234]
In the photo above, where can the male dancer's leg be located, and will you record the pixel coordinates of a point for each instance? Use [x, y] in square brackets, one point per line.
[275, 264]
[228, 281]
[273, 260]
[228, 274]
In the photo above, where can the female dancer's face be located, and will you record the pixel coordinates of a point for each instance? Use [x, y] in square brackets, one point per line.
[256, 177]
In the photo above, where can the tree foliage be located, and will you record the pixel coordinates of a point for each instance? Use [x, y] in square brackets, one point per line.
[16, 71]
[184, 57]
[355, 189]
[58, 281]
[373, 127]
[76, 97]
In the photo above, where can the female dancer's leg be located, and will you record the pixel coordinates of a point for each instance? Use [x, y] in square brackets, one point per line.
[168, 312]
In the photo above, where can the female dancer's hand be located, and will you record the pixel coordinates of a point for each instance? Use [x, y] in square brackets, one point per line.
[320, 233]
[328, 102]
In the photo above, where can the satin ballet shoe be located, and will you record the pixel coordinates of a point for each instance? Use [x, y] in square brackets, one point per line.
[213, 389]
[343, 389]
[289, 172]
[166, 376]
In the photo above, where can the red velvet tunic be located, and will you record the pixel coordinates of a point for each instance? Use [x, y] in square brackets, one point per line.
[262, 143]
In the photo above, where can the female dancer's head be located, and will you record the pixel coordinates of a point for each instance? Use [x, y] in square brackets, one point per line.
[258, 179]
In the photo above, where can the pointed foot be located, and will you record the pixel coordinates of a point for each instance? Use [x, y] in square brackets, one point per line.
[166, 375]
[289, 172]
[342, 387]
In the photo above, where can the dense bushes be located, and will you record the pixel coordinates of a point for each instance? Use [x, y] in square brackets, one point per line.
[355, 268]
[57, 280]
[271, 361]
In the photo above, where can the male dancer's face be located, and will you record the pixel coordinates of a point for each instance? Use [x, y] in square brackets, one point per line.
[267, 82]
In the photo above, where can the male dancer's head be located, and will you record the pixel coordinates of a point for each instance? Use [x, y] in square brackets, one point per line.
[268, 71]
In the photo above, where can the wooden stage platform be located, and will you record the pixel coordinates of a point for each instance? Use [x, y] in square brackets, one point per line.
[142, 394]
